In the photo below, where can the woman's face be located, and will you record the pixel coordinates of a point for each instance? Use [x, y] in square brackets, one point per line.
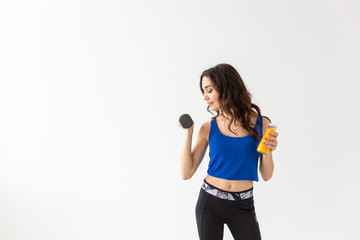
[211, 96]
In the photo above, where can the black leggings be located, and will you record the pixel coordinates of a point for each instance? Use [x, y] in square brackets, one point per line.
[216, 207]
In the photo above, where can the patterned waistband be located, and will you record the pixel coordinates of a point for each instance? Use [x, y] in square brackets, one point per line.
[233, 196]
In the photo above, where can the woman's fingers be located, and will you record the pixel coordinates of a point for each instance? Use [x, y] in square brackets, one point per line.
[271, 141]
[270, 144]
[275, 134]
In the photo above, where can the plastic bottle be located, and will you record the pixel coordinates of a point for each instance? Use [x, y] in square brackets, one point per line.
[262, 148]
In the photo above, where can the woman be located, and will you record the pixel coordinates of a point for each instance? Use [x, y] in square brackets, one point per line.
[226, 195]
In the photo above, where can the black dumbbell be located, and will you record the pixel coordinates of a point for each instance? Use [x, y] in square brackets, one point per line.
[186, 121]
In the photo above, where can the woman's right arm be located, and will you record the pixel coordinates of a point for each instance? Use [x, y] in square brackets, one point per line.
[190, 160]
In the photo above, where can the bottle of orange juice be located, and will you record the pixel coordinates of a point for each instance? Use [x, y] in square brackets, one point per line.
[262, 148]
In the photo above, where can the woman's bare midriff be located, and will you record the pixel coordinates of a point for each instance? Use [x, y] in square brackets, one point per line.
[229, 185]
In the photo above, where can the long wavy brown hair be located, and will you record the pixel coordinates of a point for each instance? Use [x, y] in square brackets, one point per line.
[234, 98]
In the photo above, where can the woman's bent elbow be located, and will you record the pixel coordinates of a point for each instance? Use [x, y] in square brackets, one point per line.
[186, 176]
[267, 178]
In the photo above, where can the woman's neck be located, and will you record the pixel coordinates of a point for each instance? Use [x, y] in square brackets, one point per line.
[227, 119]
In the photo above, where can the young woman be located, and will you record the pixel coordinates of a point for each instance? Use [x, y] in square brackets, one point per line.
[226, 195]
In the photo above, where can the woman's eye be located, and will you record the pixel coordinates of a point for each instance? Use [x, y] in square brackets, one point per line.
[210, 91]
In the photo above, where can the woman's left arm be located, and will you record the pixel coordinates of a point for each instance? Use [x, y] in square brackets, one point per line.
[266, 160]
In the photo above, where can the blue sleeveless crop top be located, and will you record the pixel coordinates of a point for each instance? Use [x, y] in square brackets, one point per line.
[233, 158]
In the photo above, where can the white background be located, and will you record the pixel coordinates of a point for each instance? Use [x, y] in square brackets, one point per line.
[91, 92]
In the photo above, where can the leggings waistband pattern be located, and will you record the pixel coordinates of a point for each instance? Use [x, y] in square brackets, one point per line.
[232, 196]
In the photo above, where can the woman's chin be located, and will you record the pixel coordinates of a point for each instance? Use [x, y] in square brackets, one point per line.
[214, 109]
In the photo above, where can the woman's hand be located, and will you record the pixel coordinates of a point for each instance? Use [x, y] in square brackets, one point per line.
[187, 130]
[271, 141]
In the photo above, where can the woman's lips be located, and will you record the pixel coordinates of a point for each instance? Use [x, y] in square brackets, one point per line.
[210, 103]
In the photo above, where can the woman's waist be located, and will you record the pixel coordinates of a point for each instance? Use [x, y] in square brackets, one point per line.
[229, 185]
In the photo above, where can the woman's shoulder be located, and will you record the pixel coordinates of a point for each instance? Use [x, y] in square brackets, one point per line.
[205, 130]
[206, 125]
[266, 122]
[265, 118]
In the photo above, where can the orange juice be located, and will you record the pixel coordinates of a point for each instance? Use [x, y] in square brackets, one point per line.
[262, 148]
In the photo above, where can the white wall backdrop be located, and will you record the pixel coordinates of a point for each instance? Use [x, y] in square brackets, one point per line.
[91, 92]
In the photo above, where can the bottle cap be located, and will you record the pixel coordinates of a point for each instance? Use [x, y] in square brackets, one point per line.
[272, 126]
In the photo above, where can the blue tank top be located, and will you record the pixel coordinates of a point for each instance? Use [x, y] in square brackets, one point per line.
[234, 158]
